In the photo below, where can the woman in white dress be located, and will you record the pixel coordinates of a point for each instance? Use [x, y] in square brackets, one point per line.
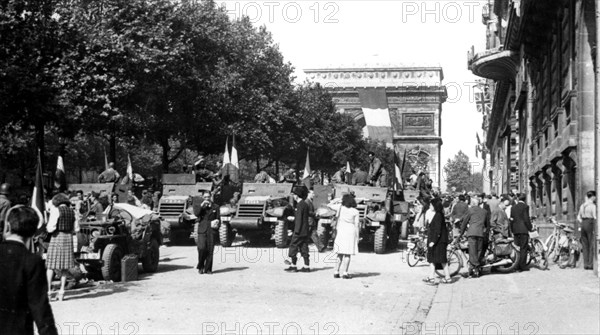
[346, 240]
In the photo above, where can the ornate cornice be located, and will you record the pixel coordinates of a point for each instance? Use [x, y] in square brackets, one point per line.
[377, 77]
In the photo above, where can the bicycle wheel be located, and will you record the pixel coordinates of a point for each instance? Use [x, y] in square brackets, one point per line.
[455, 263]
[412, 258]
[552, 247]
[540, 255]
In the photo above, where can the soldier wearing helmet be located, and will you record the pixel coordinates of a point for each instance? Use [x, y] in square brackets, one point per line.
[5, 204]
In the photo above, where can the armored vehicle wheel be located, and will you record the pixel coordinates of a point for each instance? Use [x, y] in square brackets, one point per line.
[225, 235]
[111, 269]
[150, 260]
[380, 239]
[281, 234]
[394, 236]
[404, 230]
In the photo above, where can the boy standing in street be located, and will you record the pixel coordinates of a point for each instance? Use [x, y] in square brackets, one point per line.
[301, 237]
[23, 285]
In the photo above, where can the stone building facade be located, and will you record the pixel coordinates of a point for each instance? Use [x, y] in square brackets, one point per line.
[399, 105]
[540, 133]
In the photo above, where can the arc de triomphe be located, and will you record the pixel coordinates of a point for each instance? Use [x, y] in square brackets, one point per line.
[399, 105]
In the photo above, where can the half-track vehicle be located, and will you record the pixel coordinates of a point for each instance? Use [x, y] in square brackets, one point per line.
[103, 241]
[378, 224]
[176, 201]
[263, 211]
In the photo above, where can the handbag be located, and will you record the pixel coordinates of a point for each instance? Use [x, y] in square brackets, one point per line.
[334, 224]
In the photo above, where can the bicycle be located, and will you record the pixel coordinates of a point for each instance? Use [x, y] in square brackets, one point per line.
[537, 251]
[417, 249]
[456, 257]
[552, 244]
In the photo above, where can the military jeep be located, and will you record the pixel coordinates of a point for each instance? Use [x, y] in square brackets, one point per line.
[262, 212]
[103, 241]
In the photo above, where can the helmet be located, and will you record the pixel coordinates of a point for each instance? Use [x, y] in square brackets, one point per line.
[5, 189]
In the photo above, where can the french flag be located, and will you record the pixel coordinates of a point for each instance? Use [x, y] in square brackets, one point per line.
[377, 117]
[60, 179]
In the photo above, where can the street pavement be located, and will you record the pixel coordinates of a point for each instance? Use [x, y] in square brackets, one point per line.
[249, 293]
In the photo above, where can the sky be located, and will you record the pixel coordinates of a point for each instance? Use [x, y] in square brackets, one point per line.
[317, 34]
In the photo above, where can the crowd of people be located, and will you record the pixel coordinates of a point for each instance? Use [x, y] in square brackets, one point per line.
[479, 217]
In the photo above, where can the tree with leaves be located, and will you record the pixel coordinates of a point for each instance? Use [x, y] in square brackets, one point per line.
[457, 172]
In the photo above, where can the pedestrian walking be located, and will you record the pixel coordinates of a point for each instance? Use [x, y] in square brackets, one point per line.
[209, 219]
[61, 226]
[300, 237]
[346, 239]
[587, 218]
[520, 225]
[437, 237]
[478, 222]
[23, 286]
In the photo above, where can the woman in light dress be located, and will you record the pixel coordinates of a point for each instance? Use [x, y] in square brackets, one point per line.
[346, 240]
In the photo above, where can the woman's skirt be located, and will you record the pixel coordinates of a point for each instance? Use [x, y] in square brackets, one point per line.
[346, 239]
[60, 252]
[437, 254]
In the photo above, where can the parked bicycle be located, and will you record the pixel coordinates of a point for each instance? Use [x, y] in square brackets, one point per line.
[552, 243]
[537, 251]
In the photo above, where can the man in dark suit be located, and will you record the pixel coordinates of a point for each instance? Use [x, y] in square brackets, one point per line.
[207, 222]
[520, 226]
[477, 220]
[301, 236]
[23, 286]
[459, 210]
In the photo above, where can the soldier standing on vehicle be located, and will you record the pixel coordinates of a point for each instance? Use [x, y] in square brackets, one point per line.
[340, 176]
[374, 168]
[478, 222]
[109, 175]
[5, 205]
[301, 237]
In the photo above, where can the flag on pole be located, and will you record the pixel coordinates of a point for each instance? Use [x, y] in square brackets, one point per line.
[105, 161]
[234, 166]
[129, 174]
[37, 197]
[226, 158]
[398, 182]
[306, 174]
[348, 175]
[60, 179]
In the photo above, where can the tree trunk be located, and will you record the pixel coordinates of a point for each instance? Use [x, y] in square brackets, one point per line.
[112, 148]
[277, 168]
[165, 155]
[258, 165]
